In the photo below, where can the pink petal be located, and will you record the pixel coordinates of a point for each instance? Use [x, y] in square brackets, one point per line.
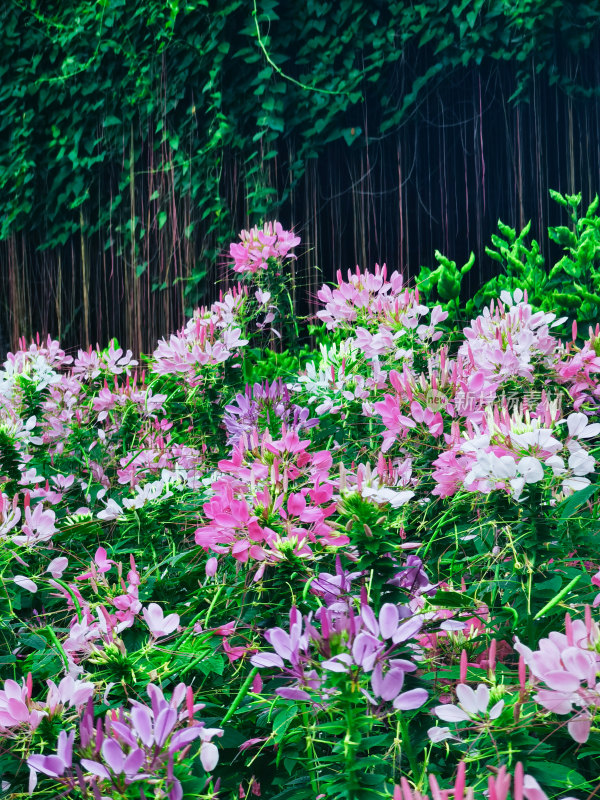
[407, 630]
[392, 684]
[57, 566]
[337, 663]
[113, 755]
[17, 710]
[292, 694]
[532, 789]
[561, 681]
[134, 761]
[580, 663]
[101, 557]
[48, 765]
[579, 728]
[170, 623]
[266, 660]
[142, 721]
[25, 583]
[165, 722]
[369, 619]
[95, 768]
[555, 701]
[281, 642]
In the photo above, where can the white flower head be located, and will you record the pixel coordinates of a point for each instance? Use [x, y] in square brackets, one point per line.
[580, 428]
[471, 704]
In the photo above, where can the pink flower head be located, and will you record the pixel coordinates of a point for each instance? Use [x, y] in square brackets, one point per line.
[158, 624]
[100, 565]
[16, 709]
[39, 526]
[568, 663]
[258, 246]
[143, 741]
[69, 692]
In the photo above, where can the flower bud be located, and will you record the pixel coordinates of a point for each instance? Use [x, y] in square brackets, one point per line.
[211, 567]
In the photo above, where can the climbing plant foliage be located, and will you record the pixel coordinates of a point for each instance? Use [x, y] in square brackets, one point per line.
[120, 118]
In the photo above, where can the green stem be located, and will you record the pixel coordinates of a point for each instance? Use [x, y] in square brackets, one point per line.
[312, 755]
[279, 71]
[240, 695]
[437, 529]
[558, 597]
[58, 646]
[68, 589]
[199, 615]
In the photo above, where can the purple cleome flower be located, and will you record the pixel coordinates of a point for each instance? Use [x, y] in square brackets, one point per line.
[133, 745]
[351, 643]
[262, 404]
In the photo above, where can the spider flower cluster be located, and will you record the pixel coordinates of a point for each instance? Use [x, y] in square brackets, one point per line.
[259, 246]
[360, 646]
[209, 338]
[141, 744]
[262, 405]
[565, 670]
[156, 521]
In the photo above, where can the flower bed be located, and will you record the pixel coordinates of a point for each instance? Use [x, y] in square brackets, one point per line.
[247, 567]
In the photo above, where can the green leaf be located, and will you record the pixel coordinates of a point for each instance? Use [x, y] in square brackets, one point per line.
[450, 599]
[464, 269]
[282, 722]
[351, 135]
[568, 507]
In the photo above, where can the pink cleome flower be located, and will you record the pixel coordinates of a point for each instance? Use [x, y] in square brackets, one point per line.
[258, 246]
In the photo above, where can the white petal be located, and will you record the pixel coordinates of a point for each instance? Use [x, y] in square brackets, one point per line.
[576, 423]
[557, 464]
[531, 469]
[467, 698]
[590, 430]
[517, 487]
[496, 709]
[482, 696]
[440, 734]
[209, 756]
[451, 713]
